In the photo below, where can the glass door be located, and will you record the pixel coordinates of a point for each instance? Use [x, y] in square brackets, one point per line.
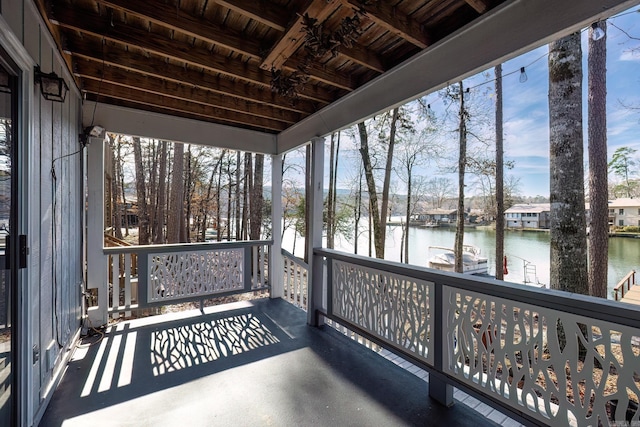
[8, 113]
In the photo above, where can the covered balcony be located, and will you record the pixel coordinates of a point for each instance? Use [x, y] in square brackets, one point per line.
[342, 339]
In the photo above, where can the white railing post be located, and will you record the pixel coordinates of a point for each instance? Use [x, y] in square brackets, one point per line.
[277, 265]
[97, 273]
[316, 196]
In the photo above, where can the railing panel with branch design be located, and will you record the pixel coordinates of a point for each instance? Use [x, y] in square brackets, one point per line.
[541, 356]
[168, 274]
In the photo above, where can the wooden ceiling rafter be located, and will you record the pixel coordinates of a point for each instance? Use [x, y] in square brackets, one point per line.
[181, 91]
[163, 14]
[270, 15]
[387, 16]
[152, 99]
[177, 50]
[220, 85]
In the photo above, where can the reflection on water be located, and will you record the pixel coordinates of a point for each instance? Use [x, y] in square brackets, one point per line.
[624, 253]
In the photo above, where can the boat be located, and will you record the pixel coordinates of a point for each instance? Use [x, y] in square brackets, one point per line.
[472, 261]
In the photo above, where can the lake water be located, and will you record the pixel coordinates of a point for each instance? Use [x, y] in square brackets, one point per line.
[624, 253]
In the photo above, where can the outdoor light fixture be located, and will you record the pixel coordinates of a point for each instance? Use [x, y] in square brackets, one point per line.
[596, 32]
[52, 87]
[93, 131]
[523, 75]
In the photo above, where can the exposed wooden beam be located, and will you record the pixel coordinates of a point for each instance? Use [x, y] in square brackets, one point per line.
[100, 27]
[329, 77]
[131, 80]
[387, 16]
[166, 15]
[268, 14]
[153, 66]
[361, 55]
[293, 37]
[480, 6]
[140, 97]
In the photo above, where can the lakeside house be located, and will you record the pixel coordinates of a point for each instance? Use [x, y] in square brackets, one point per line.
[624, 212]
[439, 216]
[529, 215]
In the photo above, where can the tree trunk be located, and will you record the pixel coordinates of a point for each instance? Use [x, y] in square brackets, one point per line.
[188, 191]
[152, 160]
[176, 203]
[158, 237]
[116, 205]
[238, 196]
[330, 207]
[246, 191]
[462, 163]
[568, 234]
[257, 198]
[598, 239]
[384, 214]
[307, 202]
[143, 214]
[357, 212]
[499, 177]
[407, 217]
[374, 214]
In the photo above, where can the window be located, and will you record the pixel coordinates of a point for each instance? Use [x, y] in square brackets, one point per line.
[620, 211]
[621, 222]
[613, 211]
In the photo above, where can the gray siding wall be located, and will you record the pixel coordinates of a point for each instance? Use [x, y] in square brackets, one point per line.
[54, 218]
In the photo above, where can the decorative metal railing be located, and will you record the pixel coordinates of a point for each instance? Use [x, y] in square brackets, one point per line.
[539, 355]
[168, 274]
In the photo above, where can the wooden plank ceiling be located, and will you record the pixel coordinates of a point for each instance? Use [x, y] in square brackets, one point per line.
[254, 64]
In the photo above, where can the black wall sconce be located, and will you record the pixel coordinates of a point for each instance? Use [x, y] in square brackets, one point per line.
[52, 87]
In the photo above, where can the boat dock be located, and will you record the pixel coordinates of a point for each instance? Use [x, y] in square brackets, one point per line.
[626, 290]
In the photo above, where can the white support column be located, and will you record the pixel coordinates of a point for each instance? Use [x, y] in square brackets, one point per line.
[96, 261]
[276, 275]
[316, 196]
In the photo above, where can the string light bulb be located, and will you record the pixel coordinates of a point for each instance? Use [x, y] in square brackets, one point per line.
[523, 75]
[597, 33]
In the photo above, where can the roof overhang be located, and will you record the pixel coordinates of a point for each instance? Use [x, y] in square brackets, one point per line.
[503, 33]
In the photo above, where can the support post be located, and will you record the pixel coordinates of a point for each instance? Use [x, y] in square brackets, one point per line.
[315, 195]
[96, 261]
[439, 389]
[276, 273]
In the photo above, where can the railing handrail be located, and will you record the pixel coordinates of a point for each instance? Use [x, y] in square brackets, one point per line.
[147, 249]
[578, 304]
[628, 280]
[294, 258]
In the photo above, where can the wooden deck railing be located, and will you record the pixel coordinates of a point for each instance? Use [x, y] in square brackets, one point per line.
[539, 355]
[170, 274]
[624, 285]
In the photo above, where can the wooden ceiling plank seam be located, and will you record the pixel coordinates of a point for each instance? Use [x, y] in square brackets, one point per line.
[167, 16]
[479, 6]
[396, 22]
[179, 91]
[142, 97]
[270, 15]
[180, 51]
[445, 9]
[293, 37]
[161, 69]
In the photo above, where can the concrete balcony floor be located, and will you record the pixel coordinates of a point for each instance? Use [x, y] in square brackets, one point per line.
[243, 364]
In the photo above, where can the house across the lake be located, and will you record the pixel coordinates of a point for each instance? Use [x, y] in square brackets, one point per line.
[624, 212]
[529, 215]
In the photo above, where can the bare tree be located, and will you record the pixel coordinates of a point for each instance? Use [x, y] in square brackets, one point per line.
[499, 177]
[158, 236]
[598, 238]
[462, 163]
[175, 220]
[143, 212]
[568, 228]
[257, 198]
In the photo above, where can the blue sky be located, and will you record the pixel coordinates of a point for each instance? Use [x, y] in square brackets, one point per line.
[526, 120]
